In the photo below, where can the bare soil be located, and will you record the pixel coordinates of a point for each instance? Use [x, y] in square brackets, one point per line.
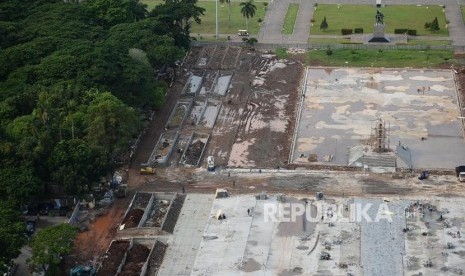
[132, 218]
[135, 260]
[193, 152]
[113, 258]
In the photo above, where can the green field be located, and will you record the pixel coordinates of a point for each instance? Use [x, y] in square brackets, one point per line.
[151, 3]
[208, 19]
[289, 20]
[379, 58]
[429, 42]
[237, 20]
[363, 16]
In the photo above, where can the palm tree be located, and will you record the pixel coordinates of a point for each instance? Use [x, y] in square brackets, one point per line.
[248, 11]
[229, 10]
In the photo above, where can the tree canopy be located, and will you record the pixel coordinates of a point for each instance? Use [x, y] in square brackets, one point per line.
[248, 10]
[76, 78]
[50, 244]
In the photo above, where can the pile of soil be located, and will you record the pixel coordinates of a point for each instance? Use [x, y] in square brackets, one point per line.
[135, 260]
[173, 214]
[194, 151]
[113, 258]
[133, 218]
[157, 258]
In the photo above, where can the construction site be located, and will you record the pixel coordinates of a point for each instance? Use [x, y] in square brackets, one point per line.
[334, 140]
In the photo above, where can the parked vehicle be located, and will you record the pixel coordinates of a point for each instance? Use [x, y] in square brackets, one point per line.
[462, 176]
[122, 190]
[45, 208]
[211, 163]
[423, 175]
[147, 171]
[242, 33]
[460, 173]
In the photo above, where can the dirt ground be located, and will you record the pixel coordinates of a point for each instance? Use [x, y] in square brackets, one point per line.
[254, 126]
[135, 260]
[113, 259]
[90, 245]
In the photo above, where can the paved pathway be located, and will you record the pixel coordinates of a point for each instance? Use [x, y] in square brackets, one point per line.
[271, 30]
[182, 249]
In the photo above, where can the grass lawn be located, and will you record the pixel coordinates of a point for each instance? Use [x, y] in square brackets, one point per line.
[152, 3]
[429, 42]
[289, 20]
[208, 19]
[363, 16]
[237, 20]
[379, 58]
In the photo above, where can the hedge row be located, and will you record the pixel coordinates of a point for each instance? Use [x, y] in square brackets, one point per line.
[350, 31]
[360, 31]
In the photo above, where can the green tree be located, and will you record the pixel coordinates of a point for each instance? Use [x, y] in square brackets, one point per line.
[177, 16]
[434, 25]
[248, 10]
[324, 24]
[19, 184]
[12, 232]
[75, 165]
[50, 244]
[112, 12]
[110, 124]
[52, 53]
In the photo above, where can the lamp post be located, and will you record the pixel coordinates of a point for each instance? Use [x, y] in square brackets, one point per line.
[282, 36]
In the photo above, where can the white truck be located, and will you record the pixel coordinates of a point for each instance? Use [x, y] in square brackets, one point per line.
[462, 177]
[210, 163]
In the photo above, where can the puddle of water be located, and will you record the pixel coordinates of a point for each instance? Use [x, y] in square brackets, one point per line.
[251, 265]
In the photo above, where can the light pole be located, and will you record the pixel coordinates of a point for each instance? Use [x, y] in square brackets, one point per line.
[282, 36]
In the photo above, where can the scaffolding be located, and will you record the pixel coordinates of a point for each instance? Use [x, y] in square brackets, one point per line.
[381, 136]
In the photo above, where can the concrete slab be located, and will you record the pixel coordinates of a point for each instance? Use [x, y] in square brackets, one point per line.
[341, 106]
[182, 248]
[245, 243]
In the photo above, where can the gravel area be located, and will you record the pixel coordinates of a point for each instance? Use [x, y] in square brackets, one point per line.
[173, 214]
[157, 258]
[382, 242]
